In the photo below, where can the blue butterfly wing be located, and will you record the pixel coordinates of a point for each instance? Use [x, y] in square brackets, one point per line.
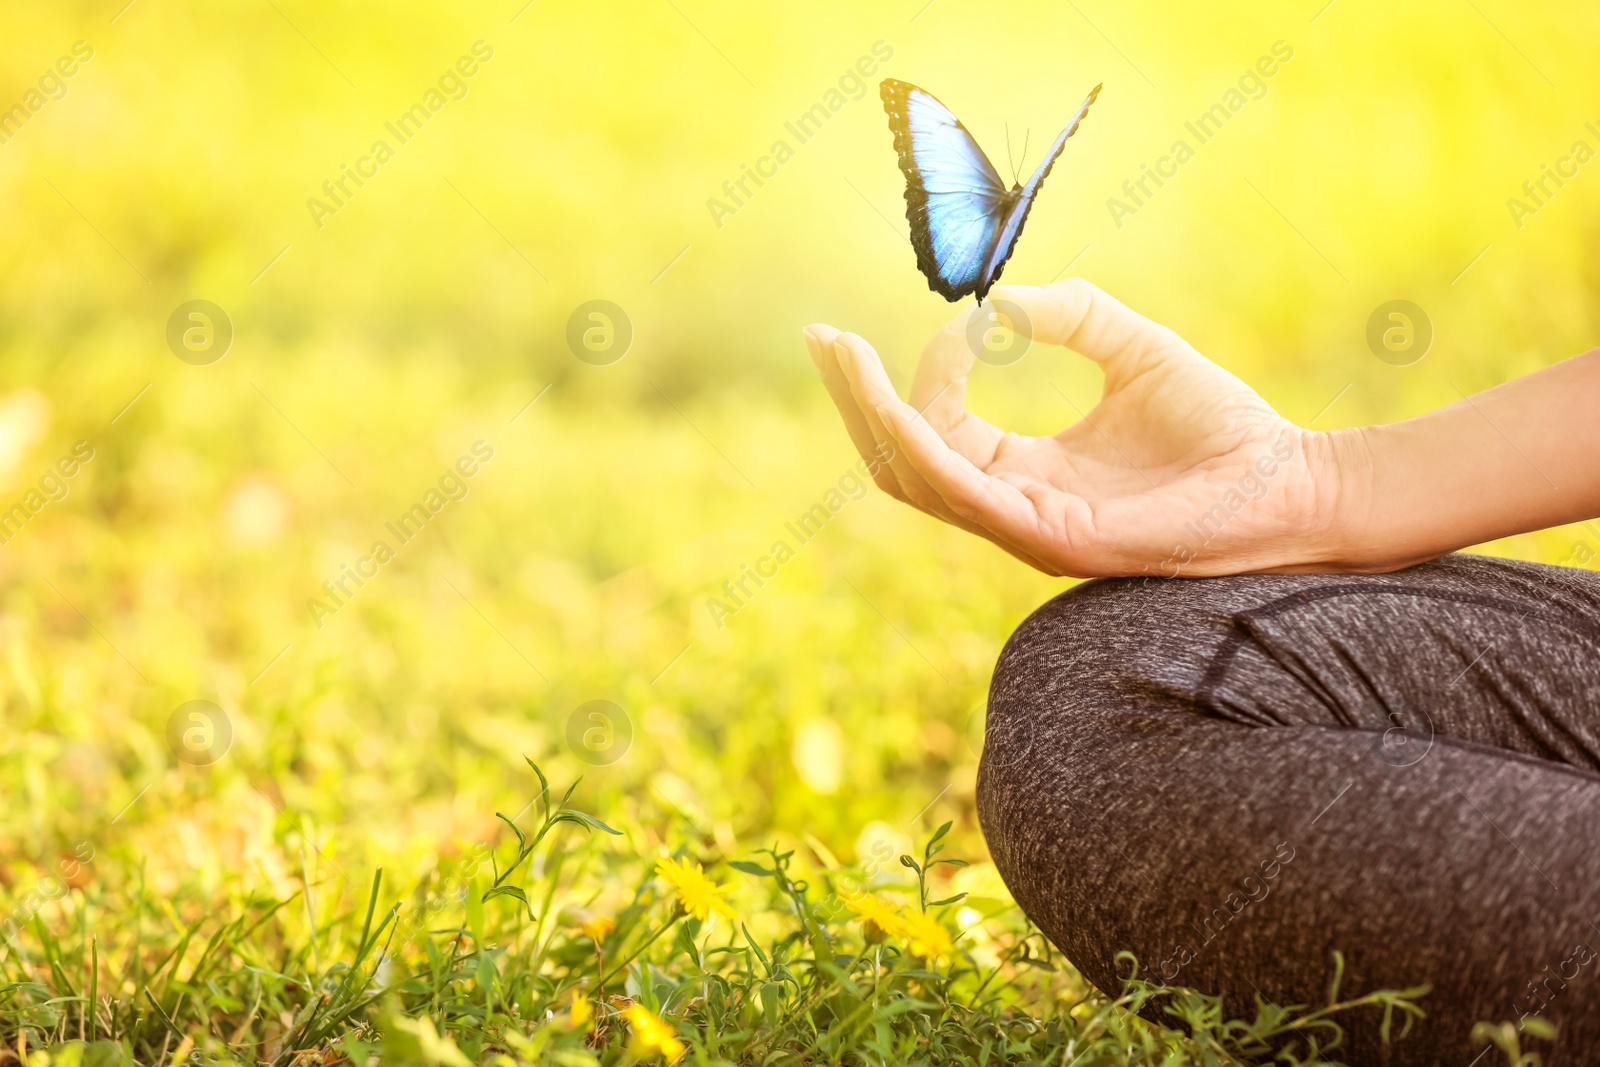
[1011, 228]
[955, 201]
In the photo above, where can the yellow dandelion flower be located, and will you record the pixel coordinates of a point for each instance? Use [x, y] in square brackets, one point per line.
[653, 1033]
[924, 936]
[878, 916]
[597, 926]
[581, 1012]
[699, 895]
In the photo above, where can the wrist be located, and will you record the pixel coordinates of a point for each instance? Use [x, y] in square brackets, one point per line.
[1341, 465]
[1355, 526]
[1342, 535]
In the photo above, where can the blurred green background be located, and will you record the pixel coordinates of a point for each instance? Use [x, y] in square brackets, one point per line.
[372, 351]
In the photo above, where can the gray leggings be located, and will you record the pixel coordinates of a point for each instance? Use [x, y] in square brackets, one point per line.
[1233, 777]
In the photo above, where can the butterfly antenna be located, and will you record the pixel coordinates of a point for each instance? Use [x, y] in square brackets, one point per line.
[1011, 162]
[1025, 135]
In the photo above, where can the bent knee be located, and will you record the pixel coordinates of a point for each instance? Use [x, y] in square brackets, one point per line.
[1086, 679]
[1099, 644]
[1060, 671]
[1085, 625]
[1134, 645]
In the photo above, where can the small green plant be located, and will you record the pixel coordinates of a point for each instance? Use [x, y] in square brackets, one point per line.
[551, 818]
[1507, 1037]
[930, 850]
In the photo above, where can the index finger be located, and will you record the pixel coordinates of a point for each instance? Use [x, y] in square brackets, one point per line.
[1078, 315]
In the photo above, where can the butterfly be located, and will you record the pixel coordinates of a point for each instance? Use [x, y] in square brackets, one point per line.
[964, 221]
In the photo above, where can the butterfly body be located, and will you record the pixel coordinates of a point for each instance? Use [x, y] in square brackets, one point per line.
[964, 221]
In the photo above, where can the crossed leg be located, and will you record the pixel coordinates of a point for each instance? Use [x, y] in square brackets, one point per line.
[1233, 777]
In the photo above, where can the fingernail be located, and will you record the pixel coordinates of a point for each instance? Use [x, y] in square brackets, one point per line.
[813, 347]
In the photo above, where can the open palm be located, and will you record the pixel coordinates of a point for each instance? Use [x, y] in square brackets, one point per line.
[1181, 469]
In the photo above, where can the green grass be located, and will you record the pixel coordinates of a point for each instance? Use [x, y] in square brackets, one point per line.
[417, 976]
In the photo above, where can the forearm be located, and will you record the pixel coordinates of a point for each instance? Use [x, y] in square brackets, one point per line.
[1521, 456]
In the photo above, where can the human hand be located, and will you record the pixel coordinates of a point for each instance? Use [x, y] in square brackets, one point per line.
[1180, 469]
